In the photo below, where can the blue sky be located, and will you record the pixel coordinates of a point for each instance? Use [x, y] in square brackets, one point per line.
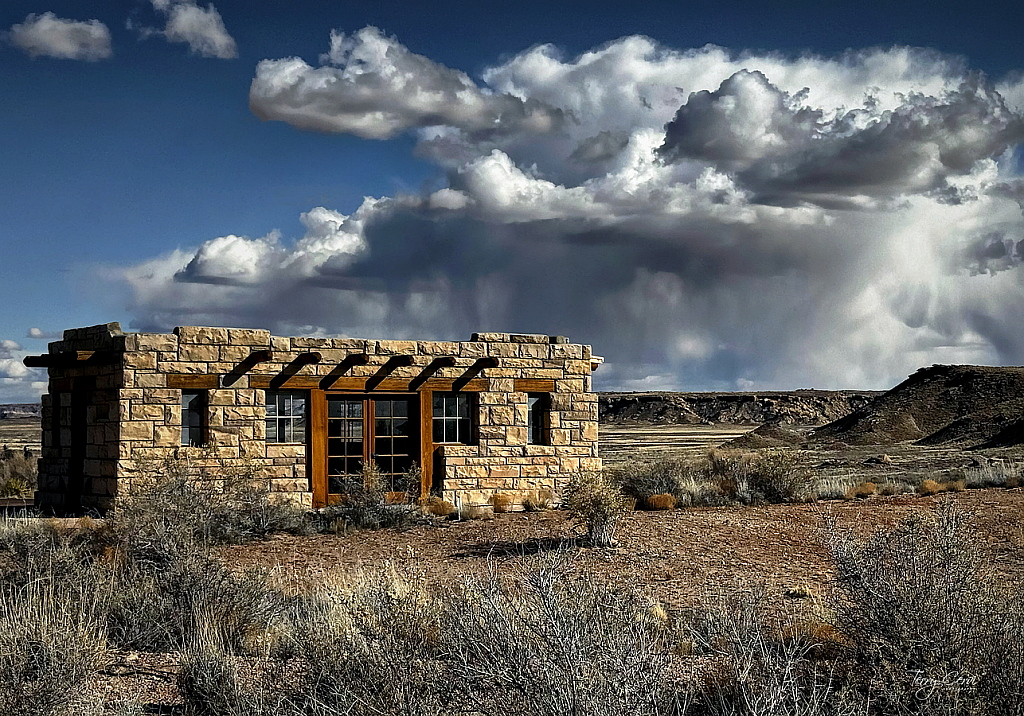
[576, 168]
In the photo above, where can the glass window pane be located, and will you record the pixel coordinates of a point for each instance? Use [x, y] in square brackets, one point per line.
[382, 408]
[355, 409]
[400, 408]
[400, 426]
[463, 400]
[335, 409]
[438, 431]
[438, 403]
[271, 406]
[272, 430]
[465, 435]
[451, 408]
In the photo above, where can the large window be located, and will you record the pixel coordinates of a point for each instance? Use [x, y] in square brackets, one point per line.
[193, 414]
[537, 407]
[452, 422]
[286, 416]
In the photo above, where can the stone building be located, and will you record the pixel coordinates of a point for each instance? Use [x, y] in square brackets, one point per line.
[500, 413]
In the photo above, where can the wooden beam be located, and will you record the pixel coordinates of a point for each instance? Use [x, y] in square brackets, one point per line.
[353, 384]
[431, 368]
[318, 446]
[193, 382]
[387, 369]
[534, 385]
[426, 441]
[68, 358]
[353, 359]
[308, 358]
[260, 357]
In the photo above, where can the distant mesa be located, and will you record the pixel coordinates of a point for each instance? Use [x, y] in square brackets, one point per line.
[13, 411]
[800, 407]
[964, 405]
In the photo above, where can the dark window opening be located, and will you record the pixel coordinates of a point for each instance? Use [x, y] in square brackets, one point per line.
[452, 421]
[193, 412]
[286, 416]
[537, 407]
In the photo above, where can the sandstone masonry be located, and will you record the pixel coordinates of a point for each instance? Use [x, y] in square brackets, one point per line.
[529, 416]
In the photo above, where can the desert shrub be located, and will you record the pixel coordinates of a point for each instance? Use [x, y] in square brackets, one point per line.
[368, 647]
[153, 607]
[51, 643]
[929, 487]
[18, 473]
[597, 503]
[544, 642]
[779, 477]
[930, 623]
[861, 491]
[184, 501]
[759, 665]
[661, 502]
[364, 503]
[211, 681]
[640, 479]
[894, 488]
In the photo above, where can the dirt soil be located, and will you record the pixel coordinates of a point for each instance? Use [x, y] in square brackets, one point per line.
[674, 556]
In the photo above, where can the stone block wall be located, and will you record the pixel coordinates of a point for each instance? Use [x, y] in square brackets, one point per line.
[135, 405]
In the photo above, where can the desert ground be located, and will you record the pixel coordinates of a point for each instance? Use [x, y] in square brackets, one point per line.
[678, 557]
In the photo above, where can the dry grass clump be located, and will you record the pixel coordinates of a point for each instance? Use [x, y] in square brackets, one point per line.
[438, 507]
[501, 502]
[18, 473]
[474, 512]
[597, 503]
[861, 491]
[895, 488]
[993, 474]
[932, 487]
[664, 501]
[539, 501]
[51, 643]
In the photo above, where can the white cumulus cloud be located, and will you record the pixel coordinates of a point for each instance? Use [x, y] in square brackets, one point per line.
[47, 35]
[372, 86]
[202, 29]
[705, 218]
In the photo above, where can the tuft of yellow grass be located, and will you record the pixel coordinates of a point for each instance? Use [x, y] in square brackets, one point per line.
[434, 505]
[929, 487]
[502, 502]
[663, 501]
[861, 491]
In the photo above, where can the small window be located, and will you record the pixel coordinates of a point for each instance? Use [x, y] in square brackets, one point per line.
[537, 407]
[193, 412]
[286, 416]
[452, 422]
